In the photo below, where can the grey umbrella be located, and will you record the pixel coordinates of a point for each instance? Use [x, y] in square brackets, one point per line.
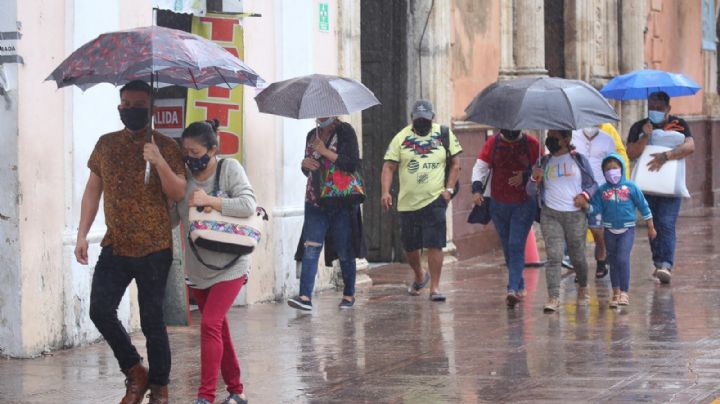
[540, 103]
[315, 96]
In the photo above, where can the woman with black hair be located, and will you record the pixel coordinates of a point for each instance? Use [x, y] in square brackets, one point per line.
[331, 162]
[505, 161]
[564, 184]
[215, 290]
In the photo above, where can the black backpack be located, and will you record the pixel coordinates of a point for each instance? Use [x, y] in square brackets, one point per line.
[445, 139]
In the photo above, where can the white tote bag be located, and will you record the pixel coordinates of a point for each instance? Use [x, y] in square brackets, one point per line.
[670, 179]
[225, 234]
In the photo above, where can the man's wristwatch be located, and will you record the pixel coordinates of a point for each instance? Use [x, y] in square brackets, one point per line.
[451, 190]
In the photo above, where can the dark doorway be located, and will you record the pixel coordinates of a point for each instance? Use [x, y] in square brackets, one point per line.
[384, 71]
[555, 38]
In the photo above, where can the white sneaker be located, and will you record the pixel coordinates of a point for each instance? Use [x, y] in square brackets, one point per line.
[552, 305]
[663, 275]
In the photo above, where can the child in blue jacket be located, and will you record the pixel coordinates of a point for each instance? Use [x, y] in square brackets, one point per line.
[616, 201]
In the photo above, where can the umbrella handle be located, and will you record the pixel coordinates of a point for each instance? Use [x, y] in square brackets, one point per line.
[147, 172]
[149, 135]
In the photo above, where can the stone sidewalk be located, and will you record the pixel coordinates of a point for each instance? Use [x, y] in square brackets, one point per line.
[664, 347]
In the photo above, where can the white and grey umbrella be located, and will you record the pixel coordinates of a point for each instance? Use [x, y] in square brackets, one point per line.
[540, 103]
[315, 96]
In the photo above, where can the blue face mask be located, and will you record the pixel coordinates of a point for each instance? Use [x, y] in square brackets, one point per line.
[325, 123]
[656, 117]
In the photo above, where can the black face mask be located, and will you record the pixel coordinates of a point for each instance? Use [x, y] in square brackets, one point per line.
[134, 118]
[422, 126]
[553, 144]
[197, 164]
[510, 135]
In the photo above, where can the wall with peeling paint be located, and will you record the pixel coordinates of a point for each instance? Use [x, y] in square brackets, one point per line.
[10, 325]
[40, 155]
[673, 42]
[475, 50]
[44, 293]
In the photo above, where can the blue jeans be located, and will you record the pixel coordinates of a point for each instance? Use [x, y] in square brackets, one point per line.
[618, 247]
[665, 211]
[318, 221]
[512, 222]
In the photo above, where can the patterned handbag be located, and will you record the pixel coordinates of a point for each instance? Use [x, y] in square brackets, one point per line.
[225, 234]
[340, 187]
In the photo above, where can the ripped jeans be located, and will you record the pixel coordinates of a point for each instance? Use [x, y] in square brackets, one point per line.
[318, 221]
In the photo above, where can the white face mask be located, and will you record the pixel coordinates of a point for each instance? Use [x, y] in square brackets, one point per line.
[591, 132]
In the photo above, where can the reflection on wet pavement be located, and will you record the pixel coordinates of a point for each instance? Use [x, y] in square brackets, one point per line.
[664, 347]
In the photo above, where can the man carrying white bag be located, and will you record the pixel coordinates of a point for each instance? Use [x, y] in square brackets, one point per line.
[659, 144]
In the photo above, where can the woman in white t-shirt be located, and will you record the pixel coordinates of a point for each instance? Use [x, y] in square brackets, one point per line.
[562, 182]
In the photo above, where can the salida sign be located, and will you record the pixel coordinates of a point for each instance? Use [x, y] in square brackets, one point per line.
[169, 116]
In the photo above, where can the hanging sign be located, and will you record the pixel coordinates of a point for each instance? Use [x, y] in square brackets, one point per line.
[8, 47]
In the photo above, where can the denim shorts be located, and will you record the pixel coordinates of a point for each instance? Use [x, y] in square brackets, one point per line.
[594, 220]
[424, 228]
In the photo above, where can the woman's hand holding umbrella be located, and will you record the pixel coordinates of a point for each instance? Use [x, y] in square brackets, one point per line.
[537, 174]
[319, 146]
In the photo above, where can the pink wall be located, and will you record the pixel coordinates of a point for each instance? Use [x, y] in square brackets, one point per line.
[673, 43]
[475, 49]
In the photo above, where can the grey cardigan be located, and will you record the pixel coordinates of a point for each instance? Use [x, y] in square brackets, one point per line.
[238, 201]
[588, 184]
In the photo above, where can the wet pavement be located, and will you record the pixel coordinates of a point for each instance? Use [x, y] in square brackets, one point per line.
[664, 347]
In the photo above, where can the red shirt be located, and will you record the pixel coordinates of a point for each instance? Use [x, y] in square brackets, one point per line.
[510, 157]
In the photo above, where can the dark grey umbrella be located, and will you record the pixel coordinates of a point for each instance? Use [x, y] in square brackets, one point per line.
[540, 103]
[315, 96]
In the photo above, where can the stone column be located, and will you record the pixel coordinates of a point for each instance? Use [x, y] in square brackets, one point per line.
[632, 46]
[529, 38]
[349, 62]
[507, 61]
[591, 41]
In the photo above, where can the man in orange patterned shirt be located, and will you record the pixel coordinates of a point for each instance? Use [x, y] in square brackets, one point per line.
[138, 241]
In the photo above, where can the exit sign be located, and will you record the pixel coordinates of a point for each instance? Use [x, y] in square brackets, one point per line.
[324, 15]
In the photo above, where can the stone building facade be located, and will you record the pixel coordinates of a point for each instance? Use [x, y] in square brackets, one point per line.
[591, 40]
[446, 51]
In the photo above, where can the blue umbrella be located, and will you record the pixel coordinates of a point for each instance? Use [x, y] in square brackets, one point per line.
[637, 85]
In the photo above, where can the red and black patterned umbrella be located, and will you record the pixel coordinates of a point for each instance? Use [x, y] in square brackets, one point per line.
[153, 54]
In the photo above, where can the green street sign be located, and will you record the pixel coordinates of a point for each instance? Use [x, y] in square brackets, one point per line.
[324, 19]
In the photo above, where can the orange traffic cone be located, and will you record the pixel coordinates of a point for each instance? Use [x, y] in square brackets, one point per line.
[532, 258]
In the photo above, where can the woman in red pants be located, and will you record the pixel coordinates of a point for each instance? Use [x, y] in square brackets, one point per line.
[215, 290]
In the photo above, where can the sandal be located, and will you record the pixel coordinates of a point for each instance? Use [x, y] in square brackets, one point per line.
[602, 270]
[624, 299]
[415, 288]
[437, 297]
